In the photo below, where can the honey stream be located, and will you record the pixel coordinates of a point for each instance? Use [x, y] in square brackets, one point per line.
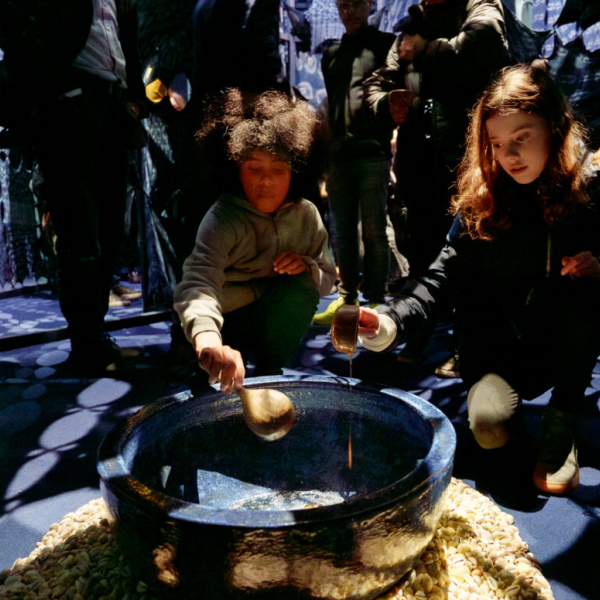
[344, 340]
[349, 427]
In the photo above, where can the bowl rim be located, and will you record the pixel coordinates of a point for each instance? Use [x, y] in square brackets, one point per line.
[117, 481]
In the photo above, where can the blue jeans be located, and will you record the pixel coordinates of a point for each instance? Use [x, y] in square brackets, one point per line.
[358, 192]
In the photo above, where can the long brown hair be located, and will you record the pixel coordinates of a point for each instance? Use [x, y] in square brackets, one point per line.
[483, 186]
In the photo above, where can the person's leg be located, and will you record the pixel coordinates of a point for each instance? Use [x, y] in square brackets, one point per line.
[573, 325]
[568, 329]
[344, 203]
[372, 178]
[285, 311]
[68, 157]
[271, 327]
[82, 160]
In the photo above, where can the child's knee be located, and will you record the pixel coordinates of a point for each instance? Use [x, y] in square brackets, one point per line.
[492, 403]
[297, 290]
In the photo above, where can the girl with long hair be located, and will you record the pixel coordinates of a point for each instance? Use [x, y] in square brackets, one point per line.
[521, 263]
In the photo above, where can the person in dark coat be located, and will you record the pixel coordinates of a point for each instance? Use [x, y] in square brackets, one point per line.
[72, 71]
[360, 154]
[446, 54]
[522, 264]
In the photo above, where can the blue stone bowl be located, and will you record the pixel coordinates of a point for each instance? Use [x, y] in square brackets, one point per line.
[338, 508]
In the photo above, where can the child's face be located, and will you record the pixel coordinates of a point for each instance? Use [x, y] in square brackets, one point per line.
[521, 144]
[266, 180]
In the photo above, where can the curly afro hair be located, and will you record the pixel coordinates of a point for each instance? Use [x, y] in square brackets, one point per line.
[240, 122]
[269, 121]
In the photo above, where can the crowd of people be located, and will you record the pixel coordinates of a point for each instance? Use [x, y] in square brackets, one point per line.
[493, 204]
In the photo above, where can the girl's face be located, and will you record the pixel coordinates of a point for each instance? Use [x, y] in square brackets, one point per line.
[266, 180]
[521, 144]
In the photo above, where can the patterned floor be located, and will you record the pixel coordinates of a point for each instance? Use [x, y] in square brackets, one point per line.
[52, 421]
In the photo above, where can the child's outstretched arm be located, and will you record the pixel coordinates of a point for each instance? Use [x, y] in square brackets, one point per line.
[583, 264]
[222, 363]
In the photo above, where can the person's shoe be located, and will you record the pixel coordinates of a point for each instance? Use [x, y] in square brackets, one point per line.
[557, 471]
[127, 293]
[115, 300]
[450, 368]
[103, 358]
[326, 317]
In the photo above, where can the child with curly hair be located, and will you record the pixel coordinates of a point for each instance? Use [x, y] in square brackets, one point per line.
[261, 259]
[522, 261]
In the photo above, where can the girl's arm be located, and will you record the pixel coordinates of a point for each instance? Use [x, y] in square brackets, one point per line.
[405, 315]
[376, 332]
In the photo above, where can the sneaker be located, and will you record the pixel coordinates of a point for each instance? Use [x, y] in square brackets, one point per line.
[127, 293]
[103, 358]
[450, 368]
[557, 471]
[326, 317]
[115, 300]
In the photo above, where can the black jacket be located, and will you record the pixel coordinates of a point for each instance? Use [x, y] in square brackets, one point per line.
[346, 64]
[41, 40]
[466, 46]
[494, 283]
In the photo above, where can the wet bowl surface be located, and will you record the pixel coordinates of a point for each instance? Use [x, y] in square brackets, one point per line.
[338, 508]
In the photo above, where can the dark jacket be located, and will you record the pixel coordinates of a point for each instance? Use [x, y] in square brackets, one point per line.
[495, 283]
[346, 65]
[466, 46]
[41, 40]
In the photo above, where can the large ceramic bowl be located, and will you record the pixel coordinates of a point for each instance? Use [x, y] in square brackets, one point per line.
[338, 508]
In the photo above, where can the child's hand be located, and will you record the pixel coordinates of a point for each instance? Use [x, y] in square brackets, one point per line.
[222, 363]
[368, 323]
[584, 264]
[289, 263]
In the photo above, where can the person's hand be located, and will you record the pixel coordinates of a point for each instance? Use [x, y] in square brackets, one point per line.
[290, 263]
[368, 323]
[222, 363]
[178, 102]
[584, 264]
[411, 46]
[400, 103]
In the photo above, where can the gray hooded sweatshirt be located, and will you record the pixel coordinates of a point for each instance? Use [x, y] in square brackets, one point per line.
[234, 252]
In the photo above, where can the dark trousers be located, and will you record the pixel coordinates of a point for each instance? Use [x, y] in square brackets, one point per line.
[554, 343]
[83, 160]
[271, 328]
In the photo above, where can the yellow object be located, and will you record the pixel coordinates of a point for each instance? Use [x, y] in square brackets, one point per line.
[155, 91]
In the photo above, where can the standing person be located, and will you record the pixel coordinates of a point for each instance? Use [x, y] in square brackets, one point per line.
[521, 259]
[261, 260]
[444, 57]
[74, 65]
[360, 155]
